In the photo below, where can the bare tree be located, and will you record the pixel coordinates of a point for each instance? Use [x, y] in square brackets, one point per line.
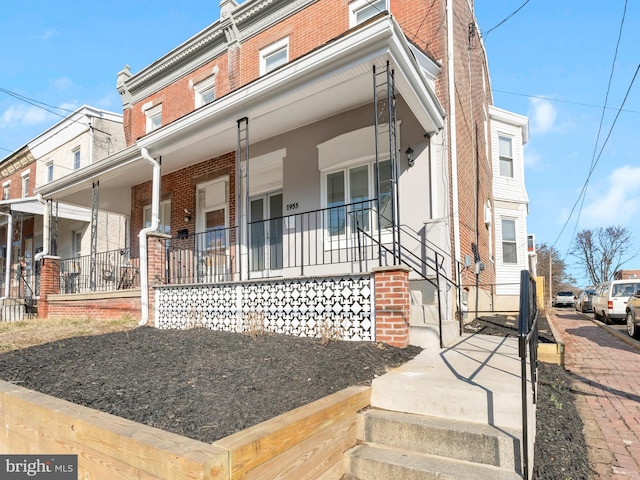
[601, 252]
[560, 278]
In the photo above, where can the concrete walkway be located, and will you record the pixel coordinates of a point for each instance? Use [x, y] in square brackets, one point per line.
[607, 373]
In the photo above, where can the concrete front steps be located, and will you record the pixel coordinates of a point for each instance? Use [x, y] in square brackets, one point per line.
[424, 326]
[396, 445]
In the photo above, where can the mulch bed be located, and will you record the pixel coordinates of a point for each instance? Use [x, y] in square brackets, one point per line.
[198, 383]
[560, 451]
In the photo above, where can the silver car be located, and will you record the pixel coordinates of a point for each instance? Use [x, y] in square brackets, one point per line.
[583, 301]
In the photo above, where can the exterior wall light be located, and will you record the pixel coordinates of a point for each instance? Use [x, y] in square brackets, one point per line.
[409, 153]
[187, 216]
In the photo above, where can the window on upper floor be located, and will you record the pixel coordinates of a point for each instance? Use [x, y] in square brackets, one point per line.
[362, 10]
[205, 91]
[25, 185]
[509, 245]
[154, 117]
[274, 55]
[505, 148]
[164, 214]
[76, 159]
[6, 189]
[49, 172]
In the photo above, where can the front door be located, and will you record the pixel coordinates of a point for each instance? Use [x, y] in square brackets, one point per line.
[214, 255]
[266, 234]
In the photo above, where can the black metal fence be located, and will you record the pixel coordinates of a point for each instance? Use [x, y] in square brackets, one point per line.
[106, 271]
[528, 351]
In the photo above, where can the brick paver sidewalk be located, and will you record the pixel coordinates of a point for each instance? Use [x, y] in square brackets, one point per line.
[607, 373]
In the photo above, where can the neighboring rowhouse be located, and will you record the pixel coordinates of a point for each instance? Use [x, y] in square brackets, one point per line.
[84, 137]
[296, 164]
[509, 134]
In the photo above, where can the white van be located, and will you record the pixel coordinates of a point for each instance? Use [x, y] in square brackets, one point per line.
[610, 300]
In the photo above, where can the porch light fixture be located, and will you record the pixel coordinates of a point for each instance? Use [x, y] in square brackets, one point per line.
[187, 215]
[409, 153]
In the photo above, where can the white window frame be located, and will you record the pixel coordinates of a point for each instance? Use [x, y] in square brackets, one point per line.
[504, 160]
[154, 118]
[372, 220]
[201, 89]
[76, 242]
[49, 172]
[77, 158]
[270, 51]
[357, 7]
[164, 214]
[513, 242]
[6, 190]
[25, 184]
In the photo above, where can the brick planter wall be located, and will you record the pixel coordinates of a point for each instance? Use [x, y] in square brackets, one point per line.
[392, 305]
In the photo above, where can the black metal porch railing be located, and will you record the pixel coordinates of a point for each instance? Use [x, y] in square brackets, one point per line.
[206, 257]
[527, 350]
[114, 270]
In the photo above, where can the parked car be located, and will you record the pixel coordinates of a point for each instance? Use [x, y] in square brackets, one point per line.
[583, 301]
[564, 299]
[610, 300]
[633, 315]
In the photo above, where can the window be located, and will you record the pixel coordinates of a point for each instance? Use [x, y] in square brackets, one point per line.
[205, 91]
[154, 117]
[509, 251]
[354, 186]
[362, 10]
[165, 217]
[50, 172]
[25, 185]
[76, 159]
[6, 187]
[506, 157]
[274, 55]
[76, 243]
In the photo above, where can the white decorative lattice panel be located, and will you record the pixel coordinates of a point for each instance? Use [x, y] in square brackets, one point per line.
[335, 307]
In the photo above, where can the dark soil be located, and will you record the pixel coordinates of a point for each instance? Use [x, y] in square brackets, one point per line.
[197, 383]
[560, 451]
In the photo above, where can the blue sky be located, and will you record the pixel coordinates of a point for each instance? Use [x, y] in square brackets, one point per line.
[551, 61]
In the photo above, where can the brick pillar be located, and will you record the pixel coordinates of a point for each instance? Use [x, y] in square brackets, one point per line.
[155, 268]
[49, 283]
[392, 305]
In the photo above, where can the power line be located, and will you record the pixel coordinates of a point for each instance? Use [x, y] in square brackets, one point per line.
[507, 18]
[562, 101]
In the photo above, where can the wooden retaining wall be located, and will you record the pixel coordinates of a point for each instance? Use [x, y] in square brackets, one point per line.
[306, 443]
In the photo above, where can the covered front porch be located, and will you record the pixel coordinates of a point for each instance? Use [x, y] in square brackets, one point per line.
[326, 168]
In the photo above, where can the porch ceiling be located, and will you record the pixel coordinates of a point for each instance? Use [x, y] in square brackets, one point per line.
[335, 78]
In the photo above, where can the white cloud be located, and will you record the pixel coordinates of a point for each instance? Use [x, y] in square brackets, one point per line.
[49, 33]
[617, 202]
[23, 116]
[62, 83]
[543, 115]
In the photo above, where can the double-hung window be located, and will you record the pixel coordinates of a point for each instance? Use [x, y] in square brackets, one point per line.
[49, 172]
[205, 91]
[154, 117]
[349, 194]
[506, 156]
[76, 159]
[274, 55]
[509, 244]
[25, 184]
[164, 214]
[6, 190]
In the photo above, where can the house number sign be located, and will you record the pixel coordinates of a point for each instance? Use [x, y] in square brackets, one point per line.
[292, 206]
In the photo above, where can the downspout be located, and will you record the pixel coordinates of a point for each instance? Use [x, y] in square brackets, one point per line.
[453, 140]
[7, 277]
[142, 237]
[46, 229]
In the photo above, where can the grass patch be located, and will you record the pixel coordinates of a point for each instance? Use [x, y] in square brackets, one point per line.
[27, 333]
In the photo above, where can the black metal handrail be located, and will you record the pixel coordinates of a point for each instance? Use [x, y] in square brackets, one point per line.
[527, 347]
[205, 257]
[114, 270]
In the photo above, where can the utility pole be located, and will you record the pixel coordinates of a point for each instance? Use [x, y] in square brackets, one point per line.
[550, 277]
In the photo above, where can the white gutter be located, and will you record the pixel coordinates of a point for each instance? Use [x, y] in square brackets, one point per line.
[7, 277]
[46, 229]
[142, 237]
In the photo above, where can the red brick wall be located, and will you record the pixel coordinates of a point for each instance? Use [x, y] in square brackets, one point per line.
[101, 309]
[392, 305]
[15, 190]
[180, 188]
